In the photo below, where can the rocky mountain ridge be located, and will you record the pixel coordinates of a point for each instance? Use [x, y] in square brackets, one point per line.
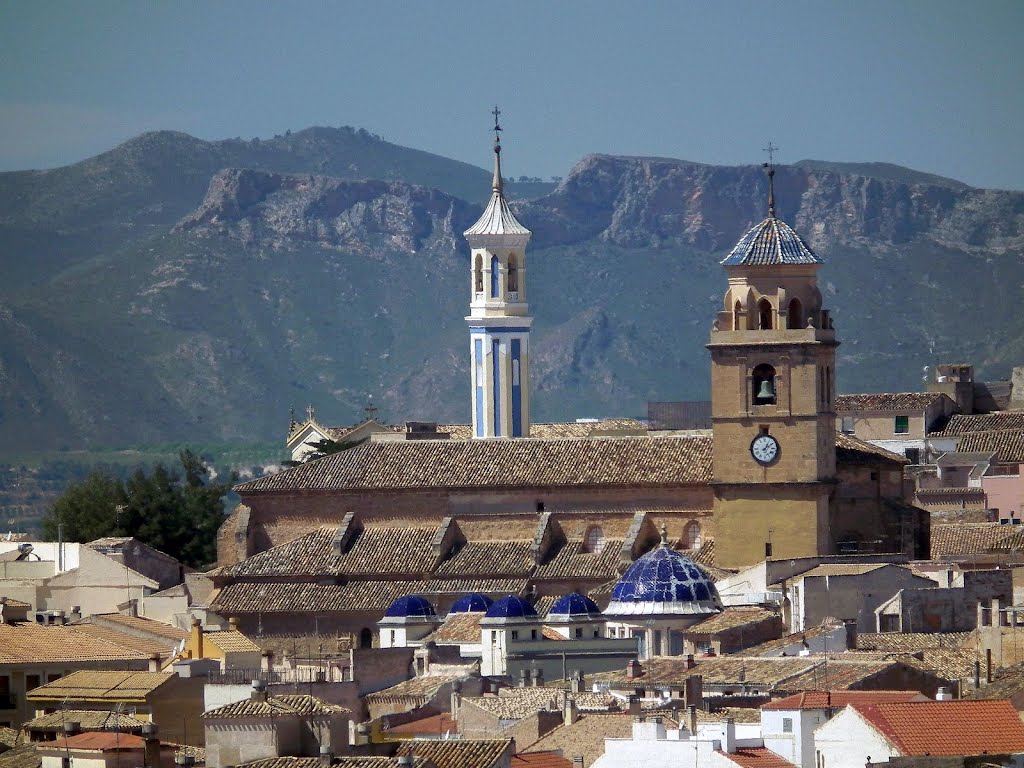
[174, 289]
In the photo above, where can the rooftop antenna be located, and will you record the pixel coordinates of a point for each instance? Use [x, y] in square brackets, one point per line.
[771, 149]
[496, 182]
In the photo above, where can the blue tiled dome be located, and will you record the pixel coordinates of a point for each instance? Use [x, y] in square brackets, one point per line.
[471, 603]
[511, 607]
[664, 582]
[410, 607]
[574, 604]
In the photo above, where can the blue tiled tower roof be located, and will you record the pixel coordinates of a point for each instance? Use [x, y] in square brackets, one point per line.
[664, 582]
[511, 607]
[410, 607]
[771, 242]
[471, 603]
[574, 604]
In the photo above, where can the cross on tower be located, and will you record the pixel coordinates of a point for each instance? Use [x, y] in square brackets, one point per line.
[770, 165]
[771, 149]
[497, 127]
[370, 409]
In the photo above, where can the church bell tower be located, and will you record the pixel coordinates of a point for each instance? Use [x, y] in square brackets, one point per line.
[499, 324]
[772, 401]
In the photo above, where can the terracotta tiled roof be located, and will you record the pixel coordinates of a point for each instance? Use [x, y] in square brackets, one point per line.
[900, 402]
[17, 603]
[348, 761]
[837, 675]
[605, 461]
[571, 561]
[489, 558]
[275, 706]
[586, 736]
[851, 449]
[232, 641]
[962, 424]
[540, 760]
[840, 569]
[967, 538]
[141, 624]
[249, 597]
[762, 672]
[460, 753]
[909, 642]
[839, 699]
[756, 757]
[771, 646]
[1006, 444]
[948, 663]
[947, 727]
[517, 703]
[87, 719]
[22, 756]
[100, 685]
[56, 644]
[142, 645]
[458, 628]
[732, 618]
[418, 688]
[1007, 682]
[490, 587]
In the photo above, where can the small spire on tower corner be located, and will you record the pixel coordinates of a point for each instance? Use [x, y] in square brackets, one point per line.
[770, 165]
[496, 182]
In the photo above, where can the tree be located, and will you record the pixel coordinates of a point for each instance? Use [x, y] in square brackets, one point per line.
[323, 448]
[176, 514]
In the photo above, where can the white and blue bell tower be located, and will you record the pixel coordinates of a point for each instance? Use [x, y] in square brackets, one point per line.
[499, 324]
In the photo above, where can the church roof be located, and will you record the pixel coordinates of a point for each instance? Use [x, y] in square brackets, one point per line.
[497, 219]
[770, 243]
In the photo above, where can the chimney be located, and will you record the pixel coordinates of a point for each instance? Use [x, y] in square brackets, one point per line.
[233, 623]
[326, 756]
[851, 634]
[76, 613]
[133, 607]
[456, 699]
[267, 662]
[691, 720]
[404, 760]
[197, 639]
[71, 727]
[944, 694]
[690, 663]
[633, 705]
[577, 761]
[570, 712]
[154, 662]
[729, 744]
[524, 677]
[634, 669]
[578, 684]
[259, 691]
[977, 674]
[149, 733]
[537, 676]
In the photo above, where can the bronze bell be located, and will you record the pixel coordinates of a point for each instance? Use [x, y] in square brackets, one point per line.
[766, 393]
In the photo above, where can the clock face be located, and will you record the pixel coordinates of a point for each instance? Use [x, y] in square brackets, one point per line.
[764, 449]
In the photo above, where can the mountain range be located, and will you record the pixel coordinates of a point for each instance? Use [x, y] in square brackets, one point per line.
[175, 289]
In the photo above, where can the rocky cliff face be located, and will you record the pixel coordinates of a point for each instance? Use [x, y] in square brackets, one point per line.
[261, 208]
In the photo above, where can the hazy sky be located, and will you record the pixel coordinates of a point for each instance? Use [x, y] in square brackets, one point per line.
[932, 85]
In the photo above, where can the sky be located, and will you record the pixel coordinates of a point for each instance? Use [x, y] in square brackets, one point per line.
[928, 84]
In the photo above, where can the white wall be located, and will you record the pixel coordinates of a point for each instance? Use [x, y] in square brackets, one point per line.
[798, 745]
[847, 741]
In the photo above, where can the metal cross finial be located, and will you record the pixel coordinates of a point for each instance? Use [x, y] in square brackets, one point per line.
[309, 411]
[371, 409]
[770, 165]
[497, 127]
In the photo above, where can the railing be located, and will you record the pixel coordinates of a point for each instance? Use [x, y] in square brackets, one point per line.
[513, 295]
[301, 675]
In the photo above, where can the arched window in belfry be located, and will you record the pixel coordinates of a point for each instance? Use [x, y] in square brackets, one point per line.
[593, 540]
[478, 274]
[737, 316]
[691, 535]
[513, 273]
[763, 384]
[495, 273]
[764, 315]
[795, 316]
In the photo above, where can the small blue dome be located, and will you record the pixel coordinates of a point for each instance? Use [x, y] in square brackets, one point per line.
[664, 581]
[511, 607]
[574, 604]
[771, 242]
[471, 603]
[410, 607]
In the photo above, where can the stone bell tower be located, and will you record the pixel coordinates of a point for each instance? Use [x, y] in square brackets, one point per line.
[772, 401]
[499, 324]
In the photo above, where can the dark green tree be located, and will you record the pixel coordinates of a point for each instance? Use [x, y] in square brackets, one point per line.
[323, 448]
[176, 513]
